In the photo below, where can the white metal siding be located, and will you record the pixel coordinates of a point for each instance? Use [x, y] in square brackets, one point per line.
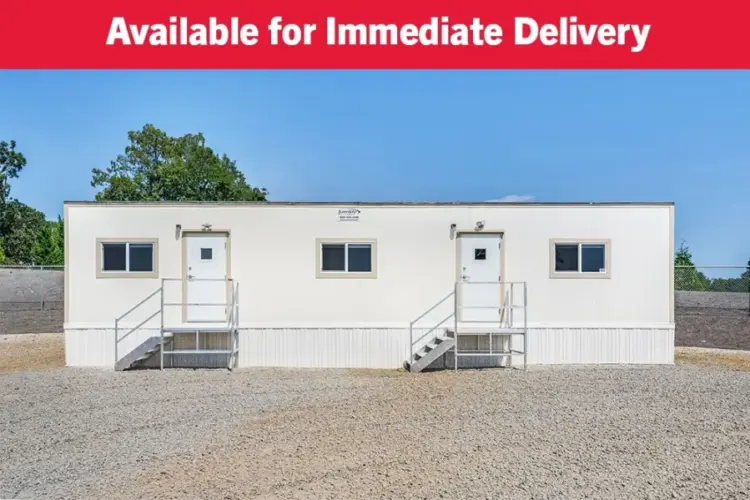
[95, 347]
[334, 348]
[273, 258]
[388, 348]
[601, 345]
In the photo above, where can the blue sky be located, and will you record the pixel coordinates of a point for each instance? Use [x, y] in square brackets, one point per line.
[416, 136]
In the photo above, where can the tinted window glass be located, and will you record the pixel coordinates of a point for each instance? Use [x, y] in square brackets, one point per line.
[592, 258]
[333, 258]
[113, 257]
[141, 257]
[360, 258]
[566, 257]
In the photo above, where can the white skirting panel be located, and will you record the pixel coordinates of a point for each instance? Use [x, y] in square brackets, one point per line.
[324, 348]
[95, 347]
[600, 346]
[388, 348]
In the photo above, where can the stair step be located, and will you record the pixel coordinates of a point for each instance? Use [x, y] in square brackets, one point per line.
[429, 353]
[434, 344]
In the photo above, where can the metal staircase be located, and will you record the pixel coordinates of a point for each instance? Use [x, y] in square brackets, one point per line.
[436, 347]
[171, 338]
[136, 357]
[440, 340]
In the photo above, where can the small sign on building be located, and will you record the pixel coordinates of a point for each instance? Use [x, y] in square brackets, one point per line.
[349, 214]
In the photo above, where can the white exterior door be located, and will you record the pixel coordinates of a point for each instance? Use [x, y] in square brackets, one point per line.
[206, 272]
[479, 281]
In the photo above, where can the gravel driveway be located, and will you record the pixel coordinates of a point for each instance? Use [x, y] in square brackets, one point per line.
[681, 431]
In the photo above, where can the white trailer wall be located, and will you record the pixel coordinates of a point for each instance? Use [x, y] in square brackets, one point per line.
[290, 317]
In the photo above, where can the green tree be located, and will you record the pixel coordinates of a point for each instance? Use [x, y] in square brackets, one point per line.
[19, 226]
[686, 276]
[157, 167]
[49, 246]
[683, 257]
[11, 164]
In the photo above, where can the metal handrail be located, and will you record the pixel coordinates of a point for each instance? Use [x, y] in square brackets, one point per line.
[140, 325]
[235, 325]
[428, 311]
[139, 304]
[506, 316]
[433, 329]
[510, 306]
[491, 282]
[117, 320]
[233, 319]
[413, 322]
[200, 279]
[231, 305]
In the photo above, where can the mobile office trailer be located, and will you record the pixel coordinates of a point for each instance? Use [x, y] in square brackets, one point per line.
[368, 285]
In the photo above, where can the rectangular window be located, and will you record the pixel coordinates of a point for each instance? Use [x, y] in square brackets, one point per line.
[588, 259]
[126, 259]
[346, 259]
[207, 253]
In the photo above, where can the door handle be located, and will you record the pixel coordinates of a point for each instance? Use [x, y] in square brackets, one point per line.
[190, 276]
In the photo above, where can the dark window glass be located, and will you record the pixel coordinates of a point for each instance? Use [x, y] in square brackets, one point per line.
[566, 257]
[592, 258]
[480, 254]
[207, 253]
[141, 257]
[113, 257]
[333, 258]
[360, 258]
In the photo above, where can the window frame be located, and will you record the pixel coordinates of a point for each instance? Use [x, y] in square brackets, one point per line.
[319, 273]
[101, 273]
[579, 273]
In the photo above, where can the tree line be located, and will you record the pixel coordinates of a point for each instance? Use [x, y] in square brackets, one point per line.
[687, 277]
[153, 167]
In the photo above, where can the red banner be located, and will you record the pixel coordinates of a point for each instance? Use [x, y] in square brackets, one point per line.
[328, 34]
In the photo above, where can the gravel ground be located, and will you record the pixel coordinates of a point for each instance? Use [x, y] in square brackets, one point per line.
[656, 432]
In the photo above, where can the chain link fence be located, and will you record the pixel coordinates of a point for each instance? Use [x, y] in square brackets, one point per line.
[32, 299]
[712, 306]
